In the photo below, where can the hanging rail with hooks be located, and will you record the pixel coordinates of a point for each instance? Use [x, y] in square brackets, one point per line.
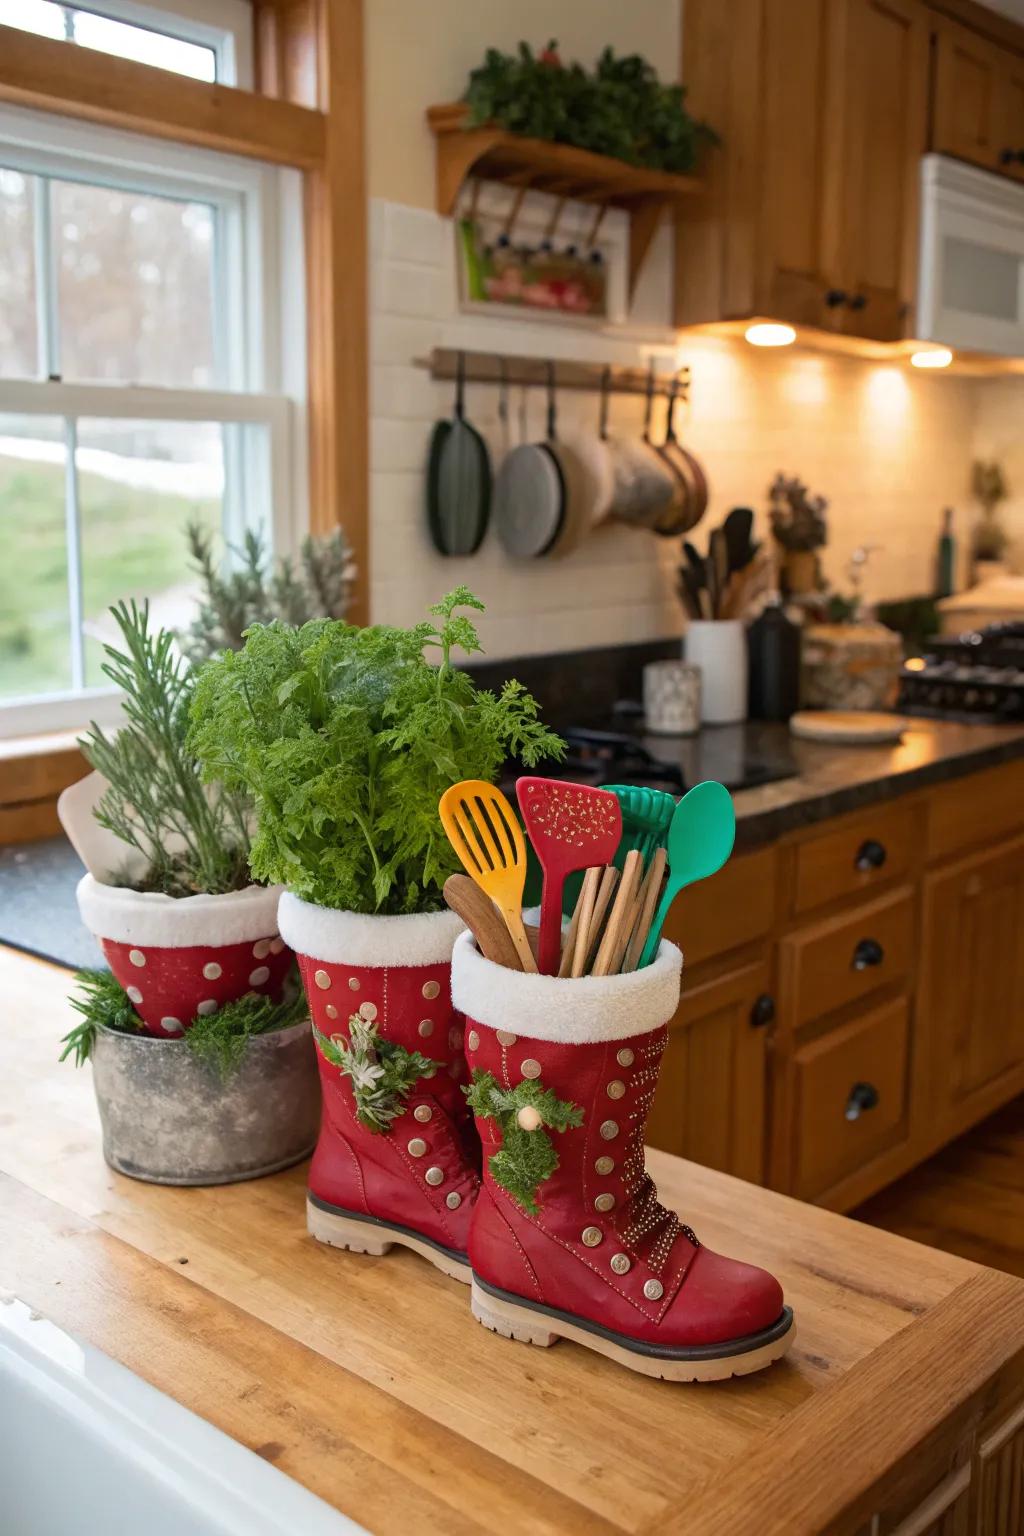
[537, 372]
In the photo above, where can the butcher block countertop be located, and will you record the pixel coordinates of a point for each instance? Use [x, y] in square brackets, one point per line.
[369, 1382]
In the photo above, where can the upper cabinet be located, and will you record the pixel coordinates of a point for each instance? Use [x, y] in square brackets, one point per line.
[825, 108]
[978, 103]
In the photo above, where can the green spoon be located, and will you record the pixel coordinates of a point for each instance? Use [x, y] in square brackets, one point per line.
[700, 840]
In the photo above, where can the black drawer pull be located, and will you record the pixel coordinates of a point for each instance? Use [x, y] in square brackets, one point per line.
[863, 1096]
[836, 296]
[859, 301]
[868, 952]
[763, 1011]
[870, 855]
[1008, 156]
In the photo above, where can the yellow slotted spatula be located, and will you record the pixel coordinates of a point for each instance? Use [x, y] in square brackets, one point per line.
[482, 828]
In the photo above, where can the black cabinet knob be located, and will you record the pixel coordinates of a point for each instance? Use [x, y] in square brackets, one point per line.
[859, 301]
[763, 1011]
[1008, 156]
[835, 296]
[863, 1096]
[868, 953]
[870, 855]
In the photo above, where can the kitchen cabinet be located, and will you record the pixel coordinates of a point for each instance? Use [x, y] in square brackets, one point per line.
[811, 214]
[972, 982]
[978, 103]
[711, 1101]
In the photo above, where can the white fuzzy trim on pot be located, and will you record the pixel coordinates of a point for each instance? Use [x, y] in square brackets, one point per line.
[363, 938]
[177, 922]
[566, 1010]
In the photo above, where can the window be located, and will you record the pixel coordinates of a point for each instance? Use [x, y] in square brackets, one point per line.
[144, 293]
[207, 39]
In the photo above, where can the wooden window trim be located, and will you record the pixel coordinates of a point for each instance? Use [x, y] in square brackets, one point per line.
[308, 113]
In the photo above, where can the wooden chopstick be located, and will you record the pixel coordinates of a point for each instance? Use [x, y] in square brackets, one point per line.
[585, 907]
[645, 905]
[609, 954]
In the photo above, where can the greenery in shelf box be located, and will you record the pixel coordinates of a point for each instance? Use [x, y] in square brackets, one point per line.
[622, 109]
[346, 738]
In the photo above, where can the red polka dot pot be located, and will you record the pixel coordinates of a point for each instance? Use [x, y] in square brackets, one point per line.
[179, 959]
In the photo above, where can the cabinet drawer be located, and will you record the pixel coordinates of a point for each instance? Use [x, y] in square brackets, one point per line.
[733, 908]
[829, 964]
[851, 1093]
[855, 855]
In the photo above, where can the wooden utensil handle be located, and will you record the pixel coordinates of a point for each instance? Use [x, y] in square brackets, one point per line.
[654, 935]
[610, 951]
[645, 904]
[588, 898]
[609, 881]
[569, 944]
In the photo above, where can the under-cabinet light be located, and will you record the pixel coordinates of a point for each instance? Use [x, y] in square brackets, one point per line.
[932, 357]
[767, 335]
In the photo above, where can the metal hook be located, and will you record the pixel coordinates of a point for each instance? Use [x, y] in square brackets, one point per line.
[606, 376]
[551, 401]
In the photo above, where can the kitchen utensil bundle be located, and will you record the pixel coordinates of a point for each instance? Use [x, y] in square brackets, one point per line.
[616, 837]
[735, 575]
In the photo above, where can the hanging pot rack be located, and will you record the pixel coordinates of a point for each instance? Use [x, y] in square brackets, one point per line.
[538, 372]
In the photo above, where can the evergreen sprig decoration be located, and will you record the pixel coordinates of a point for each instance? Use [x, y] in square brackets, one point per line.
[219, 1040]
[622, 109]
[318, 586]
[194, 838]
[382, 1072]
[346, 738]
[525, 1159]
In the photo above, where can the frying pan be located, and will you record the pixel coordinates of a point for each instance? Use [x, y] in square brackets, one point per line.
[682, 516]
[531, 493]
[645, 486]
[458, 480]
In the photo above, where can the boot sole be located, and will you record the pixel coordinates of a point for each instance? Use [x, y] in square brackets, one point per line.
[516, 1318]
[339, 1228]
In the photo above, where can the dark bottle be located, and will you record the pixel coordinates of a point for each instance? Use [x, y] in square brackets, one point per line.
[773, 643]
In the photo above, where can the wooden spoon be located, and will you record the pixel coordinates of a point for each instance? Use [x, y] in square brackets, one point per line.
[620, 922]
[483, 830]
[483, 920]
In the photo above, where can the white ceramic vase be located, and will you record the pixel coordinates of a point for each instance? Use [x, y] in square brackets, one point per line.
[719, 648]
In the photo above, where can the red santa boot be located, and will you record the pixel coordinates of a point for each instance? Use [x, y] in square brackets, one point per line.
[398, 1159]
[568, 1238]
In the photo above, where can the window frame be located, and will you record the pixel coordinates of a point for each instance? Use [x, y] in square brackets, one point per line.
[223, 26]
[258, 208]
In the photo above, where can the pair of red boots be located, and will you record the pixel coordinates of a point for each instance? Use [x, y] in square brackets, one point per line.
[543, 1205]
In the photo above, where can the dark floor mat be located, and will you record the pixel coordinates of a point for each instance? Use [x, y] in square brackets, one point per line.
[38, 911]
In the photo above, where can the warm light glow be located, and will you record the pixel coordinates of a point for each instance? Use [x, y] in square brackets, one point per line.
[915, 663]
[932, 357]
[765, 335]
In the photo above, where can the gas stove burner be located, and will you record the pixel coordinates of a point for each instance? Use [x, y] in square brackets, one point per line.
[612, 757]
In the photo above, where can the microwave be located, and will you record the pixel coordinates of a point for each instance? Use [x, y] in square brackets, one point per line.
[970, 293]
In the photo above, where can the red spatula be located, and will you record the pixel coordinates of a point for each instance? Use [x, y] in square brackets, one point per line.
[571, 827]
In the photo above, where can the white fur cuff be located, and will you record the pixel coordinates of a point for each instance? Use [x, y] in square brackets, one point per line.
[361, 938]
[566, 1011]
[184, 922]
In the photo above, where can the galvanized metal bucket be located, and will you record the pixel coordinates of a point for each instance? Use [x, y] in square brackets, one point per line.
[167, 1117]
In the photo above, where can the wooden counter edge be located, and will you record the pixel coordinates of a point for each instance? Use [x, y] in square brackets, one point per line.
[839, 1458]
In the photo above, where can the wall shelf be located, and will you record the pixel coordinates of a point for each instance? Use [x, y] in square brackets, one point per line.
[560, 169]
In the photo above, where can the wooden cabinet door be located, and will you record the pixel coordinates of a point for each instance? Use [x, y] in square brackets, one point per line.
[883, 103]
[796, 153]
[710, 1103]
[972, 992]
[1010, 116]
[965, 106]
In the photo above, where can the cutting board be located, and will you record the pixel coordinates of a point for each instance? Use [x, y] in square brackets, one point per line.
[847, 727]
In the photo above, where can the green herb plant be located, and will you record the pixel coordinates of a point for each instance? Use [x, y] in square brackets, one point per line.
[346, 739]
[194, 838]
[525, 1159]
[382, 1072]
[219, 1040]
[622, 109]
[253, 592]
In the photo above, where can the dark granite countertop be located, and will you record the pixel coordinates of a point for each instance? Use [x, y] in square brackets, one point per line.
[831, 780]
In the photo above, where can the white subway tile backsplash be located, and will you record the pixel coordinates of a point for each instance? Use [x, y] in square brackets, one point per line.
[888, 449]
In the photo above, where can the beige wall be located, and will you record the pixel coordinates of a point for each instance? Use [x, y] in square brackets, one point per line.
[999, 435]
[419, 53]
